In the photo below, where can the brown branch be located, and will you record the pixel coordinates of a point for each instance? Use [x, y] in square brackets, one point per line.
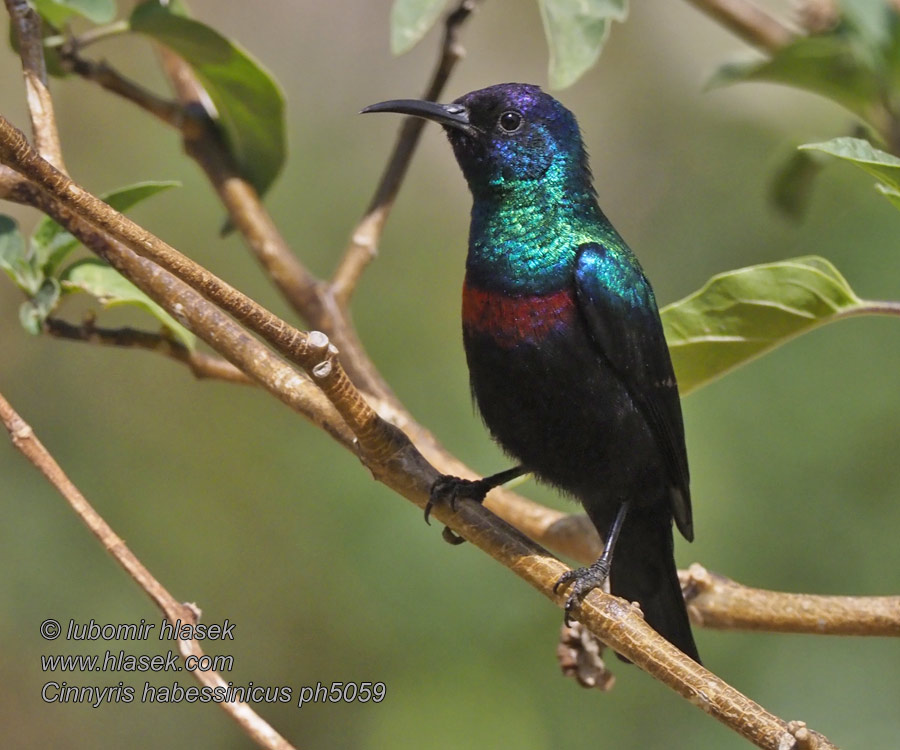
[718, 602]
[748, 21]
[27, 26]
[26, 441]
[203, 366]
[363, 245]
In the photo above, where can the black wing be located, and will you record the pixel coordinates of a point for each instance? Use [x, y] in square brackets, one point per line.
[620, 310]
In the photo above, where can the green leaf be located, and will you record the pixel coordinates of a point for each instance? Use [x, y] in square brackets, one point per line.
[34, 311]
[58, 12]
[249, 105]
[111, 288]
[879, 164]
[576, 31]
[827, 65]
[130, 195]
[411, 20]
[742, 314]
[51, 243]
[14, 259]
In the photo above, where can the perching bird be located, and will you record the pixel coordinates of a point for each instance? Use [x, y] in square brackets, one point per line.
[567, 359]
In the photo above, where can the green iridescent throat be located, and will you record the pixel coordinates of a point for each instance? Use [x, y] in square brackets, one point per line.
[525, 233]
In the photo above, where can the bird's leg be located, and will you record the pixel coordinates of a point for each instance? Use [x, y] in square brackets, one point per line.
[593, 576]
[447, 488]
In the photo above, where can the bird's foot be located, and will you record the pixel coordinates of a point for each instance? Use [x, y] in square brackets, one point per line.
[584, 580]
[449, 489]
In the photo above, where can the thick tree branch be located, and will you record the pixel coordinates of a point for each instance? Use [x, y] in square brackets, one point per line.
[363, 245]
[26, 25]
[26, 441]
[718, 602]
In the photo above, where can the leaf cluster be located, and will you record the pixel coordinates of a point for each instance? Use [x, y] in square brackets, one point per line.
[36, 266]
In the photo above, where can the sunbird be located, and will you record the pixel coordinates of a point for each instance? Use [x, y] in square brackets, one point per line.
[568, 363]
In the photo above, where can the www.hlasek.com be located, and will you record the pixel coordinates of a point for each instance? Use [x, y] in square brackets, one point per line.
[118, 660]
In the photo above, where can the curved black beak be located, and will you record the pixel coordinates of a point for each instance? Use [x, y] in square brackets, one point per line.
[449, 115]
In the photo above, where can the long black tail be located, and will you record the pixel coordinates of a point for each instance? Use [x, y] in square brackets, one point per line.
[643, 570]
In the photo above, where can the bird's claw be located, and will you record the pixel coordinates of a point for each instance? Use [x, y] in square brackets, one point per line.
[449, 489]
[585, 580]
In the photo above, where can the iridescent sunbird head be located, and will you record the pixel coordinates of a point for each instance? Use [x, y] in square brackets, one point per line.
[507, 136]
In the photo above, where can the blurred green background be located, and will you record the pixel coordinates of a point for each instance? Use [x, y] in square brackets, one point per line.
[235, 503]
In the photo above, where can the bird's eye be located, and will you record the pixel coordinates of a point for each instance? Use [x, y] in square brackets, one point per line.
[510, 121]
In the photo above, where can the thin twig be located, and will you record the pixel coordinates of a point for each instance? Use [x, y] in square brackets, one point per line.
[363, 245]
[875, 307]
[109, 78]
[27, 442]
[90, 36]
[748, 21]
[718, 602]
[26, 24]
[202, 365]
